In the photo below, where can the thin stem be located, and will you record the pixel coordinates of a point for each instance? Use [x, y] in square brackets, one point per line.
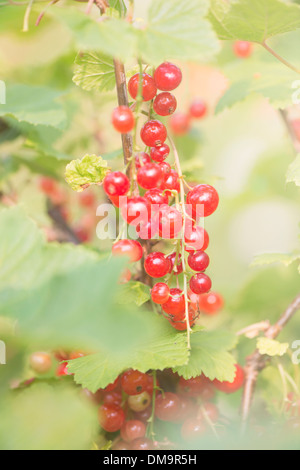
[26, 16]
[279, 57]
[184, 215]
[151, 432]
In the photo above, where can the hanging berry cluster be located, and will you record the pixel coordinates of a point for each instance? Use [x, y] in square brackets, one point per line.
[159, 202]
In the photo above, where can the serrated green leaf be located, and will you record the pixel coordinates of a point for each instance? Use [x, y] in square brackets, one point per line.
[177, 30]
[167, 348]
[91, 169]
[255, 20]
[134, 291]
[270, 258]
[271, 347]
[293, 173]
[209, 356]
[43, 417]
[94, 71]
[34, 105]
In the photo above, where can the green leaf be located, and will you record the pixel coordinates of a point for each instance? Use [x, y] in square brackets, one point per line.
[91, 169]
[167, 348]
[94, 71]
[43, 417]
[134, 291]
[255, 20]
[270, 258]
[177, 30]
[35, 105]
[271, 347]
[210, 356]
[293, 173]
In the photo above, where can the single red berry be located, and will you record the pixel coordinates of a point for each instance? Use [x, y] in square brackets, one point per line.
[210, 303]
[200, 283]
[141, 159]
[175, 306]
[111, 417]
[193, 429]
[165, 104]
[243, 49]
[198, 261]
[167, 76]
[170, 222]
[231, 387]
[171, 182]
[149, 176]
[153, 133]
[48, 185]
[179, 321]
[165, 167]
[196, 238]
[159, 154]
[123, 119]
[142, 444]
[134, 382]
[133, 429]
[112, 398]
[145, 414]
[160, 293]
[180, 123]
[116, 184]
[157, 265]
[203, 200]
[178, 268]
[167, 406]
[194, 387]
[131, 248]
[136, 210]
[149, 88]
[198, 109]
[156, 197]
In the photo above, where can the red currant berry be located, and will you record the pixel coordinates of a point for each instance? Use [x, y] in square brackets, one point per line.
[141, 159]
[48, 185]
[167, 406]
[149, 176]
[62, 370]
[136, 210]
[165, 104]
[113, 398]
[178, 268]
[145, 414]
[196, 238]
[159, 154]
[198, 261]
[195, 386]
[192, 429]
[160, 293]
[165, 167]
[169, 222]
[123, 119]
[113, 385]
[125, 276]
[116, 184]
[142, 444]
[202, 198]
[156, 197]
[179, 321]
[134, 382]
[149, 88]
[131, 248]
[133, 429]
[243, 49]
[171, 182]
[157, 265]
[210, 303]
[87, 199]
[175, 306]
[180, 123]
[111, 417]
[198, 109]
[167, 76]
[153, 133]
[200, 283]
[139, 403]
[231, 387]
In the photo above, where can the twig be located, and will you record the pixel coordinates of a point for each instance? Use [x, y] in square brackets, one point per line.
[56, 215]
[278, 57]
[256, 362]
